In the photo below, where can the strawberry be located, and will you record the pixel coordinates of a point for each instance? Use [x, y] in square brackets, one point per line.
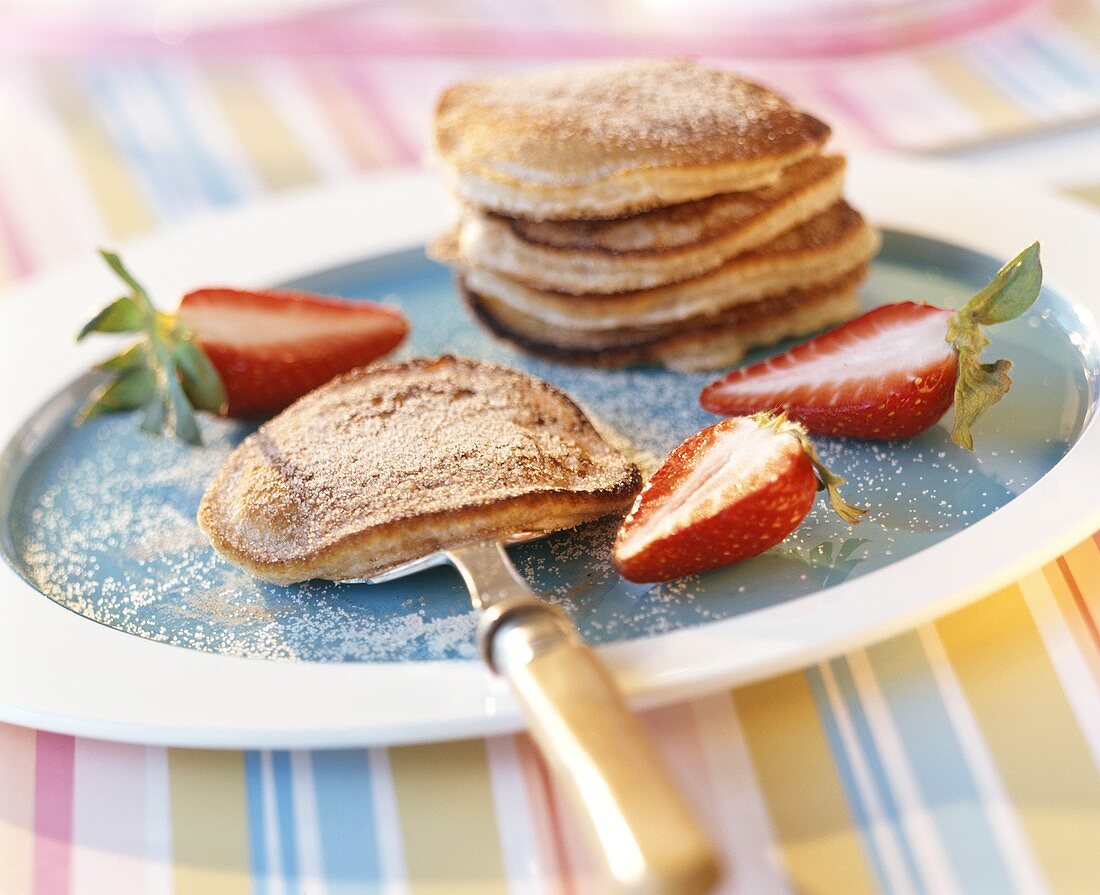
[272, 346]
[892, 372]
[729, 492]
[230, 351]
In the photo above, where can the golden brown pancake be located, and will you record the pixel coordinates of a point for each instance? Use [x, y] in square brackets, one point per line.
[394, 461]
[818, 251]
[703, 343]
[651, 249]
[606, 139]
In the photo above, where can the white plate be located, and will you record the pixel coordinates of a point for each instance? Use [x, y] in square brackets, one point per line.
[59, 671]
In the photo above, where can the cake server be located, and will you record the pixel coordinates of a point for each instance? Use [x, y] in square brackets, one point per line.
[595, 747]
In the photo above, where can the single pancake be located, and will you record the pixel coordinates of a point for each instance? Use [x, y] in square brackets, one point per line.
[606, 139]
[703, 343]
[395, 461]
[651, 249]
[821, 250]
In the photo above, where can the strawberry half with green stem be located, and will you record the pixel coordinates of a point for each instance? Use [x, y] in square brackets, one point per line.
[729, 492]
[229, 351]
[893, 372]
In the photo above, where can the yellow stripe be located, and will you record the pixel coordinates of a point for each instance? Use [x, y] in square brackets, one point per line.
[997, 113]
[273, 150]
[1054, 583]
[1083, 18]
[1090, 193]
[1084, 562]
[818, 839]
[448, 822]
[17, 814]
[113, 188]
[209, 822]
[1028, 724]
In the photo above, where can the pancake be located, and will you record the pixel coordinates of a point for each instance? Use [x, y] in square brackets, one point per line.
[822, 249]
[651, 249]
[394, 461]
[606, 139]
[703, 343]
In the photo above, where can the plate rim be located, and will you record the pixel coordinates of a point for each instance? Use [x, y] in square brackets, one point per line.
[275, 704]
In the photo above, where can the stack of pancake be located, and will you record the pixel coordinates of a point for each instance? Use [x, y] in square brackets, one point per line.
[645, 212]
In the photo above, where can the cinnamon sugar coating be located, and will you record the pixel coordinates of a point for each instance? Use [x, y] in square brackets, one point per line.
[393, 461]
[598, 140]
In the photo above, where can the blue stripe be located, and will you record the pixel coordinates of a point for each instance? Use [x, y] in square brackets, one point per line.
[866, 744]
[847, 777]
[154, 166]
[1065, 64]
[203, 159]
[1008, 77]
[938, 763]
[284, 817]
[254, 790]
[346, 814]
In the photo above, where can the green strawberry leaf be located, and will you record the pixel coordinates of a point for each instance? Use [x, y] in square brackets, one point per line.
[1011, 292]
[165, 371]
[201, 381]
[120, 316]
[129, 391]
[182, 415]
[131, 357]
[978, 386]
[155, 416]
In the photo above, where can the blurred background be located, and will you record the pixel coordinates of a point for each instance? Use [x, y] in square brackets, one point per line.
[117, 116]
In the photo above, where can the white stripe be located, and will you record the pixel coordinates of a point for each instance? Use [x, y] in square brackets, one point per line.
[387, 819]
[275, 883]
[524, 867]
[917, 822]
[108, 806]
[1013, 845]
[158, 823]
[40, 128]
[737, 812]
[311, 872]
[48, 229]
[1069, 664]
[897, 877]
[301, 113]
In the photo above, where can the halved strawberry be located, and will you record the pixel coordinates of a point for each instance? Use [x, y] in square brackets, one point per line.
[727, 493]
[231, 351]
[893, 372]
[272, 346]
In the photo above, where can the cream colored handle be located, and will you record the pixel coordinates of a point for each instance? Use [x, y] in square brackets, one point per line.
[599, 753]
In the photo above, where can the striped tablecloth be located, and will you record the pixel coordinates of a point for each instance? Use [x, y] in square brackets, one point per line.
[960, 757]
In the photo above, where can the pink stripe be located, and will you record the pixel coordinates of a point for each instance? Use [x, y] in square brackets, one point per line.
[53, 813]
[333, 36]
[365, 89]
[16, 249]
[843, 101]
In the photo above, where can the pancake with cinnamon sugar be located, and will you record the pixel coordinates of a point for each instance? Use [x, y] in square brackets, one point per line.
[646, 250]
[394, 461]
[822, 249]
[607, 139]
[706, 342]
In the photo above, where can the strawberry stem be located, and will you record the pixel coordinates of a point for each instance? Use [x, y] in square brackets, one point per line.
[826, 478]
[165, 371]
[979, 386]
